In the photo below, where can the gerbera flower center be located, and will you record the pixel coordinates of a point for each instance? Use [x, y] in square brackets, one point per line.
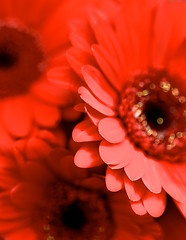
[71, 212]
[7, 59]
[153, 112]
[157, 115]
[21, 60]
[73, 216]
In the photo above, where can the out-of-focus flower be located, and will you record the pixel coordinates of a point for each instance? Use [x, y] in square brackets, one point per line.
[51, 198]
[32, 64]
[133, 67]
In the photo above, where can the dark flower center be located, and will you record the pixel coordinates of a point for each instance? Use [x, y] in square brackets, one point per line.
[73, 216]
[153, 112]
[7, 59]
[157, 115]
[71, 212]
[21, 60]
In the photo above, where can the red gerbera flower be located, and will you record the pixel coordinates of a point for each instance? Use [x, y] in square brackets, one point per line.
[50, 198]
[133, 66]
[32, 43]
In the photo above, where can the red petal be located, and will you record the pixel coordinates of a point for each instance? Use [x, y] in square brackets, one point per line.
[53, 138]
[52, 25]
[151, 176]
[99, 86]
[108, 66]
[94, 115]
[85, 131]
[8, 178]
[80, 107]
[36, 148]
[58, 20]
[45, 115]
[51, 93]
[6, 142]
[177, 63]
[136, 22]
[41, 10]
[81, 34]
[88, 156]
[94, 103]
[8, 211]
[138, 208]
[111, 130]
[136, 167]
[6, 162]
[121, 234]
[155, 203]
[58, 60]
[116, 153]
[36, 172]
[172, 177]
[117, 166]
[182, 207]
[114, 179]
[134, 189]
[66, 80]
[16, 116]
[24, 233]
[166, 39]
[77, 59]
[26, 194]
[106, 38]
[80, 42]
[13, 225]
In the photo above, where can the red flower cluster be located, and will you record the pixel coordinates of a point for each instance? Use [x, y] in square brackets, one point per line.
[111, 75]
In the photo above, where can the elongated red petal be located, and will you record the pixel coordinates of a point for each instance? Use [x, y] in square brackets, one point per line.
[105, 62]
[77, 59]
[136, 167]
[172, 177]
[99, 86]
[94, 103]
[134, 189]
[151, 176]
[94, 115]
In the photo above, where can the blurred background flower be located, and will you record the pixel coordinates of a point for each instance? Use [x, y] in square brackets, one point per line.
[32, 63]
[47, 197]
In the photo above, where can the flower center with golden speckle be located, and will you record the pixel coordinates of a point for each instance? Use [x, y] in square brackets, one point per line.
[153, 112]
[71, 212]
[21, 60]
